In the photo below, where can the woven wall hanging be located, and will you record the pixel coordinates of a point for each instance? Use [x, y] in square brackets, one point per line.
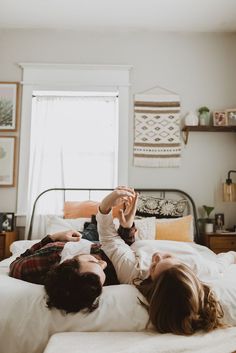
[157, 129]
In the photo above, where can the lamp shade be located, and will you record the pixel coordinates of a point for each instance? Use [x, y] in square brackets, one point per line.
[229, 189]
[229, 192]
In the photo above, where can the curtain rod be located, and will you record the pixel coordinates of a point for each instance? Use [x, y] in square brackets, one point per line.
[68, 96]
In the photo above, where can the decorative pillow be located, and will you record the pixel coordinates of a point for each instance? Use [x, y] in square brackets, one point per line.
[146, 228]
[149, 206]
[80, 209]
[84, 209]
[180, 229]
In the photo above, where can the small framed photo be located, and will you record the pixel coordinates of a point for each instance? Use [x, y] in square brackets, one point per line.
[219, 221]
[7, 160]
[231, 116]
[6, 222]
[9, 105]
[220, 118]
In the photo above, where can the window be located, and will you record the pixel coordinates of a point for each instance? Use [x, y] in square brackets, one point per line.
[74, 140]
[100, 95]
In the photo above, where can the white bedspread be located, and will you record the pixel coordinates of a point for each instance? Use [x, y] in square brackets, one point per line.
[26, 324]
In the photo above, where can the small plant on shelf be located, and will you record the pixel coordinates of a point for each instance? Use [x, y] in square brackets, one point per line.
[204, 115]
[203, 110]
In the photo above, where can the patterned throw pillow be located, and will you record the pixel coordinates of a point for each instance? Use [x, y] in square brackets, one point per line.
[149, 206]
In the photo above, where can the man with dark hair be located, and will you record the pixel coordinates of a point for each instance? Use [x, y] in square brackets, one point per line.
[72, 270]
[71, 290]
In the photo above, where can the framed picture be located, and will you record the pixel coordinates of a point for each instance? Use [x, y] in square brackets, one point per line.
[7, 160]
[9, 105]
[220, 119]
[6, 222]
[231, 116]
[219, 221]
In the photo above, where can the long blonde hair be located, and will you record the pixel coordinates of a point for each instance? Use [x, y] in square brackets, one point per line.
[181, 304]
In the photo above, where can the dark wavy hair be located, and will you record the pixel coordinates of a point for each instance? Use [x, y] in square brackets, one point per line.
[179, 303]
[69, 290]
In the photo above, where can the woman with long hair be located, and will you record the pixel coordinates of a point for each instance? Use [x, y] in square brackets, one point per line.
[176, 299]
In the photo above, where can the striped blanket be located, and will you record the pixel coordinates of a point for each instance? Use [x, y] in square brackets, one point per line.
[157, 130]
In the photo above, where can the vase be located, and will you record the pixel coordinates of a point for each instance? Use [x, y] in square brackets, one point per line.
[204, 118]
[191, 119]
[208, 227]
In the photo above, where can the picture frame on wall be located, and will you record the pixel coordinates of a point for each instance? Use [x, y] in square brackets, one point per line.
[220, 118]
[9, 106]
[231, 116]
[6, 222]
[7, 160]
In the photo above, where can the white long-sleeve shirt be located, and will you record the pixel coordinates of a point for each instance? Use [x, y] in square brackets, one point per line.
[132, 262]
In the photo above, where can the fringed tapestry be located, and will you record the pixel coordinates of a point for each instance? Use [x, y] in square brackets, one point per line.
[157, 130]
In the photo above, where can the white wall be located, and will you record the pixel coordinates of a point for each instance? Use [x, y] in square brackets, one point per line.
[200, 67]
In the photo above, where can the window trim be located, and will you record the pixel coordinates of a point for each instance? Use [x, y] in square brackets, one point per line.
[79, 78]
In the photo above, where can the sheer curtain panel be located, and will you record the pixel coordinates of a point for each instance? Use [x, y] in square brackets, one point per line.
[74, 143]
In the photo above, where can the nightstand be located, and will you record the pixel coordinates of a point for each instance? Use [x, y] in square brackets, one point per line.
[220, 242]
[6, 238]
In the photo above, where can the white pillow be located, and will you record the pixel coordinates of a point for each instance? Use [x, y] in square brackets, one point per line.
[146, 228]
[56, 224]
[20, 246]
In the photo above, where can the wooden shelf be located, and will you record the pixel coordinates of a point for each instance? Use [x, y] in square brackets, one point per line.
[186, 129]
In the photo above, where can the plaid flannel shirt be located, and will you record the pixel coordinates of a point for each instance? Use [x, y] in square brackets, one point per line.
[33, 265]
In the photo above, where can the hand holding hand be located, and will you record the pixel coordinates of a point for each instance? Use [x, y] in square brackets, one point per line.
[126, 217]
[120, 194]
[68, 235]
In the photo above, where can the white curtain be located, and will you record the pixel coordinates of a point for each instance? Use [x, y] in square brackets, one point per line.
[74, 143]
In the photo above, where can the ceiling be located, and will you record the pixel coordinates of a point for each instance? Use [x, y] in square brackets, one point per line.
[121, 15]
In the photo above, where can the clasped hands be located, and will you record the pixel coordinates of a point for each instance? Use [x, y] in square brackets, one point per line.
[125, 196]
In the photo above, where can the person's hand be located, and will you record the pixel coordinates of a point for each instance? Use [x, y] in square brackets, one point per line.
[68, 235]
[126, 216]
[121, 194]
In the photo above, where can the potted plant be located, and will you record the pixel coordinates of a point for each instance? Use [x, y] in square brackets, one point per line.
[204, 115]
[208, 221]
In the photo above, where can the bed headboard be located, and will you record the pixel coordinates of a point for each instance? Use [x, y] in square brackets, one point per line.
[92, 193]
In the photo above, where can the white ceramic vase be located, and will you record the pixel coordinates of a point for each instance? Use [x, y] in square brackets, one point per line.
[191, 119]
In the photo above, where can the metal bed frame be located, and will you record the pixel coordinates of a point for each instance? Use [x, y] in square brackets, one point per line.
[162, 192]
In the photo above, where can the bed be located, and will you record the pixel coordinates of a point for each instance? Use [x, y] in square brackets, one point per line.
[27, 326]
